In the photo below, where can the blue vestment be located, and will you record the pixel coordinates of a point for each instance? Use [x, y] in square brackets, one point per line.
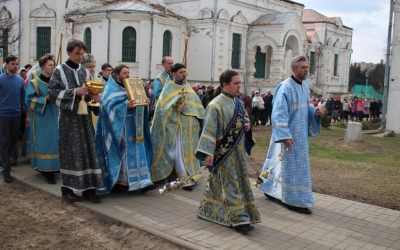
[3, 69]
[290, 180]
[158, 84]
[123, 140]
[43, 129]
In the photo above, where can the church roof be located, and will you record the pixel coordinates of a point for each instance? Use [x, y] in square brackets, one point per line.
[312, 16]
[130, 6]
[274, 19]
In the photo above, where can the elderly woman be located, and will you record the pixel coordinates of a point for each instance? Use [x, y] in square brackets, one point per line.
[258, 108]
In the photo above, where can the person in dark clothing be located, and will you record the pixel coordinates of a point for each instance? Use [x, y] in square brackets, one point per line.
[329, 107]
[374, 113]
[268, 106]
[337, 108]
[208, 96]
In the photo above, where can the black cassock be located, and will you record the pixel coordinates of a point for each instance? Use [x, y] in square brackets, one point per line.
[79, 166]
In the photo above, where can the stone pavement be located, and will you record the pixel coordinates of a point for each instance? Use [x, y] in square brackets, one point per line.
[335, 223]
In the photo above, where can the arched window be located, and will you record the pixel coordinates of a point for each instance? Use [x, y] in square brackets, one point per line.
[260, 64]
[129, 44]
[167, 43]
[87, 39]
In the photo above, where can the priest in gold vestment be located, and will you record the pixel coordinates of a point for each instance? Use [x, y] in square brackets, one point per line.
[228, 199]
[175, 131]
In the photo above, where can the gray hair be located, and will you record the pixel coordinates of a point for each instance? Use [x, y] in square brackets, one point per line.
[297, 59]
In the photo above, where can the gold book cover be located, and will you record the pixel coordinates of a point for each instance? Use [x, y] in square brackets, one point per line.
[135, 90]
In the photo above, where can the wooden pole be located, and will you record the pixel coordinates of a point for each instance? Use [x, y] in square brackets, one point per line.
[59, 56]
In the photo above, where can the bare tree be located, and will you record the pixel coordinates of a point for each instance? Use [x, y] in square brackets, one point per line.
[9, 33]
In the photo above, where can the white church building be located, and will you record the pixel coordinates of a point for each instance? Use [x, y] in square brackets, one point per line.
[257, 38]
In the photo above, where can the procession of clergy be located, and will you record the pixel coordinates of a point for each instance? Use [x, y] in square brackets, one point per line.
[120, 151]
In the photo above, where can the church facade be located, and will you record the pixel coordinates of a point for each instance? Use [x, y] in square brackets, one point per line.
[257, 38]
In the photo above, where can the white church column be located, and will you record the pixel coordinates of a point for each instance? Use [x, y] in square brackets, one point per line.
[277, 69]
[393, 114]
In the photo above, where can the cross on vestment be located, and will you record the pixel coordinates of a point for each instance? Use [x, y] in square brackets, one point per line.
[183, 93]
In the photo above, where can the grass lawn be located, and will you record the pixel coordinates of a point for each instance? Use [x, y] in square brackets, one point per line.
[367, 172]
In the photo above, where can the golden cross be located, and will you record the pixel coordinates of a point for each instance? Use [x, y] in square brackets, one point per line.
[183, 93]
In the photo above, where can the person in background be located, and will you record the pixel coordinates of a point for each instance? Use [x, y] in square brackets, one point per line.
[159, 82]
[106, 70]
[321, 104]
[374, 113]
[360, 110]
[346, 105]
[337, 108]
[329, 107]
[257, 108]
[314, 101]
[354, 109]
[268, 106]
[22, 73]
[12, 94]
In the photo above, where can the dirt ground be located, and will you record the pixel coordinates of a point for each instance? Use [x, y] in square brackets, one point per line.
[32, 219]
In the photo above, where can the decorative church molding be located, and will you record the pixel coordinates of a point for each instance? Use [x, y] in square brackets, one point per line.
[5, 14]
[205, 13]
[43, 11]
[224, 15]
[240, 18]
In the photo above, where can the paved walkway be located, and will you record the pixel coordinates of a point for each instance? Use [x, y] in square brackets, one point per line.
[334, 224]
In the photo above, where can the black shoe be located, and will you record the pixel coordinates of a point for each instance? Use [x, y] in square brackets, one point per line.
[91, 196]
[148, 188]
[71, 197]
[244, 229]
[8, 178]
[13, 162]
[50, 180]
[118, 189]
[302, 210]
[188, 188]
[270, 197]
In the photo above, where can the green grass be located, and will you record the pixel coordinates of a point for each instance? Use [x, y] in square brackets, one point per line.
[368, 171]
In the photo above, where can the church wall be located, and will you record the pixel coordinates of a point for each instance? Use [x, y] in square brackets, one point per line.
[200, 34]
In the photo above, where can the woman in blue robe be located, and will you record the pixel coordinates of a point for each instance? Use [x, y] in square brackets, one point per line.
[43, 134]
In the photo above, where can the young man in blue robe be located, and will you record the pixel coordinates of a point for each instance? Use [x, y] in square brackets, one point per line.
[43, 129]
[123, 138]
[159, 82]
[288, 157]
[228, 199]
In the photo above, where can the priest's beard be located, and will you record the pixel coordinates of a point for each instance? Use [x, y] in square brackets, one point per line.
[181, 81]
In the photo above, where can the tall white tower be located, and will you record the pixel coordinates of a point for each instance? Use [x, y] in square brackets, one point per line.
[393, 112]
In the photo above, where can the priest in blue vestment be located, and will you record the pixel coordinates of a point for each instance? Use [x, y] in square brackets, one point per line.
[43, 129]
[159, 82]
[122, 138]
[286, 173]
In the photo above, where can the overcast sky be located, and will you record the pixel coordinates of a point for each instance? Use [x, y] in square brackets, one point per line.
[369, 20]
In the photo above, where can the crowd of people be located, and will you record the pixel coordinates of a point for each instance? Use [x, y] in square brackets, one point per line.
[349, 109]
[125, 146]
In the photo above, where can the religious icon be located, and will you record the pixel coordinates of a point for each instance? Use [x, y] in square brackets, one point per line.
[135, 90]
